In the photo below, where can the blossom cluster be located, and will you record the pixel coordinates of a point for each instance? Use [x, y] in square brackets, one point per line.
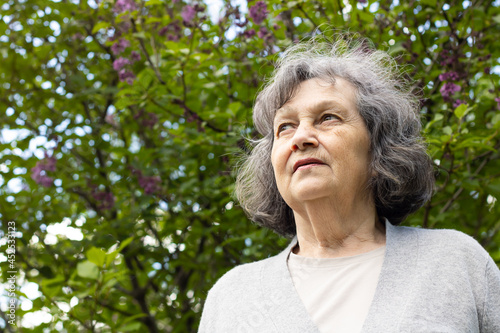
[147, 119]
[172, 31]
[258, 12]
[120, 46]
[105, 199]
[120, 64]
[449, 88]
[453, 76]
[265, 35]
[39, 172]
[150, 184]
[122, 6]
[188, 13]
[447, 58]
[457, 103]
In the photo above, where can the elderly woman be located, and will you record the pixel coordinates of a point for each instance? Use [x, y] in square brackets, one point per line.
[340, 165]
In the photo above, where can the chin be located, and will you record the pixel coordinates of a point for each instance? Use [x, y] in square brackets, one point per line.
[310, 192]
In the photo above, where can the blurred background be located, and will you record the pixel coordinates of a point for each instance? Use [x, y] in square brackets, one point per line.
[122, 121]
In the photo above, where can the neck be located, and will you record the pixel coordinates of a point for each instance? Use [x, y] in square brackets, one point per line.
[326, 229]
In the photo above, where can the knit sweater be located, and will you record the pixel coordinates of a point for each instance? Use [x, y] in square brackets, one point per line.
[431, 281]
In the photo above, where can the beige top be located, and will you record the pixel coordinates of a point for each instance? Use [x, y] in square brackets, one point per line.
[337, 292]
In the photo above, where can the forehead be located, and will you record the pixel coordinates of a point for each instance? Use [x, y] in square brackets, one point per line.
[317, 94]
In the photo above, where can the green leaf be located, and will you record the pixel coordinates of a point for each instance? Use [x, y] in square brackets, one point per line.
[437, 118]
[96, 256]
[447, 130]
[140, 35]
[234, 107]
[52, 286]
[88, 270]
[153, 2]
[146, 77]
[123, 102]
[132, 327]
[496, 121]
[461, 110]
[111, 256]
[494, 188]
[100, 25]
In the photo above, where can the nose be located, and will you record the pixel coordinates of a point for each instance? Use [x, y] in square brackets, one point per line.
[304, 137]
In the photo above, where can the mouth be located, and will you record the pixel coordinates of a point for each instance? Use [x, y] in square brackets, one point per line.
[305, 162]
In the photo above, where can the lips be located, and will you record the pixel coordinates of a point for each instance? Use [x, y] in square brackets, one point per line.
[306, 161]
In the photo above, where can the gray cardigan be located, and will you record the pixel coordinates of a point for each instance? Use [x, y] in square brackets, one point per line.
[431, 281]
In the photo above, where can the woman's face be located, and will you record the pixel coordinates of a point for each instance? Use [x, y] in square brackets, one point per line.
[321, 144]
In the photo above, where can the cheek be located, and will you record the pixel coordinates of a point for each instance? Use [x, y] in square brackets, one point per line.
[277, 159]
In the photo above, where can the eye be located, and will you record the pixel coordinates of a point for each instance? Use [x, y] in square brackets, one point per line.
[328, 117]
[283, 127]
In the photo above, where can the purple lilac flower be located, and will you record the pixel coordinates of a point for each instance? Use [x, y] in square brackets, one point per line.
[135, 56]
[46, 181]
[39, 172]
[120, 46]
[163, 31]
[449, 89]
[124, 6]
[126, 76]
[50, 163]
[457, 103]
[78, 36]
[258, 12]
[39, 175]
[262, 32]
[448, 76]
[447, 58]
[105, 199]
[150, 120]
[150, 185]
[265, 35]
[249, 33]
[137, 116]
[119, 63]
[497, 99]
[188, 13]
[171, 31]
[111, 119]
[191, 117]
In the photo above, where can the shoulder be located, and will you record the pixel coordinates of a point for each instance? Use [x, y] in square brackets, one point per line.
[237, 293]
[445, 238]
[245, 281]
[447, 246]
[246, 274]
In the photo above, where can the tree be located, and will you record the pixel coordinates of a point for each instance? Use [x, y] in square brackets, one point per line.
[130, 115]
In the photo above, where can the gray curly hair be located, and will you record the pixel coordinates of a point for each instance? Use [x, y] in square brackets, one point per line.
[403, 173]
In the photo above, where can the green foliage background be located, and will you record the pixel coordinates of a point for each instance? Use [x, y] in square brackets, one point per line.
[148, 256]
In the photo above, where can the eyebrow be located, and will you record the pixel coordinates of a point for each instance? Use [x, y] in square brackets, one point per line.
[326, 104]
